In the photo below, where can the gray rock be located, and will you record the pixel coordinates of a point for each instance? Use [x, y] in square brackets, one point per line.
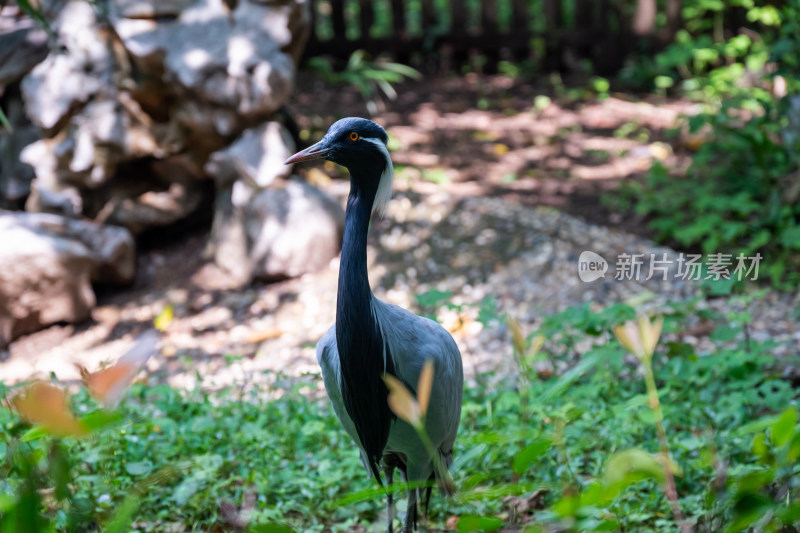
[55, 87]
[49, 194]
[127, 92]
[87, 154]
[256, 157]
[74, 72]
[15, 175]
[49, 263]
[92, 124]
[20, 51]
[228, 242]
[111, 248]
[150, 9]
[151, 194]
[141, 39]
[292, 230]
[279, 232]
[154, 209]
[237, 66]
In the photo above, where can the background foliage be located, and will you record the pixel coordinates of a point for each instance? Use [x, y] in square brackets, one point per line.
[740, 192]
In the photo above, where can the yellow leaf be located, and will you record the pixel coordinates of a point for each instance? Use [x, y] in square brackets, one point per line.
[500, 149]
[650, 333]
[164, 318]
[401, 402]
[640, 337]
[517, 338]
[109, 384]
[536, 344]
[659, 151]
[424, 386]
[533, 350]
[45, 404]
[628, 336]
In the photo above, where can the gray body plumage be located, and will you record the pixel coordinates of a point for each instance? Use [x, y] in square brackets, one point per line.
[411, 340]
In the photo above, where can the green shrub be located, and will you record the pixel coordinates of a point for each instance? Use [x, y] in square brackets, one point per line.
[739, 195]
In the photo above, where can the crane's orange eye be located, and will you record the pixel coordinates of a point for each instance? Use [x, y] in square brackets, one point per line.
[353, 136]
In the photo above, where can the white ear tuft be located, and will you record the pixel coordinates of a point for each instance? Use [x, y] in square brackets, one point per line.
[384, 193]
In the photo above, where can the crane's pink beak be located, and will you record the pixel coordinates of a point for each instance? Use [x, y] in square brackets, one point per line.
[315, 151]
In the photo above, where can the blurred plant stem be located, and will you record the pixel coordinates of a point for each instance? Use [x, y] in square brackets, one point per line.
[641, 339]
[525, 353]
[666, 460]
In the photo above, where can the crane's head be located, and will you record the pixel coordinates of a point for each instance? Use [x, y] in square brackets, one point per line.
[360, 145]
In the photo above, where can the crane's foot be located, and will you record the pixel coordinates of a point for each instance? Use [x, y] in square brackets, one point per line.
[410, 524]
[389, 511]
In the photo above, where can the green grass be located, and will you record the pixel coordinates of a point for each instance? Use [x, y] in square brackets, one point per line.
[534, 451]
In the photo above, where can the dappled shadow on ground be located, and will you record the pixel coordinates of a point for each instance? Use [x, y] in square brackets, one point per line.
[452, 139]
[212, 320]
[481, 135]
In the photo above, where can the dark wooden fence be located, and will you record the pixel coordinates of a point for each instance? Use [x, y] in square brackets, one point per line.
[552, 32]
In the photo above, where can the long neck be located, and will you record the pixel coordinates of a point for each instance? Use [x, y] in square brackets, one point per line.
[363, 355]
[354, 316]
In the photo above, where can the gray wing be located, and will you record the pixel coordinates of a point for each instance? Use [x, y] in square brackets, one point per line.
[411, 341]
[328, 359]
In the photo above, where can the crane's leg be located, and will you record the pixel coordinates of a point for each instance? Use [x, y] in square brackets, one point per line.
[427, 504]
[388, 470]
[410, 524]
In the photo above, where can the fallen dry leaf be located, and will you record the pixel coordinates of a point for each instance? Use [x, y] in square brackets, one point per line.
[460, 326]
[109, 384]
[500, 149]
[164, 318]
[452, 523]
[264, 335]
[45, 404]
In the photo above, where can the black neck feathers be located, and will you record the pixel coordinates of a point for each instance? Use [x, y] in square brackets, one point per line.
[363, 354]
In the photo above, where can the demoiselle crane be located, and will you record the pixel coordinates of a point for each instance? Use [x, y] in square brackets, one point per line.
[371, 338]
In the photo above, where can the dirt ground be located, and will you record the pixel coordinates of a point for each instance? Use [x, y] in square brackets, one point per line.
[494, 136]
[486, 136]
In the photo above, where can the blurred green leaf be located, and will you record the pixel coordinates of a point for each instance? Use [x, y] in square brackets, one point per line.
[270, 528]
[139, 468]
[783, 429]
[7, 501]
[121, 519]
[530, 453]
[472, 523]
[631, 466]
